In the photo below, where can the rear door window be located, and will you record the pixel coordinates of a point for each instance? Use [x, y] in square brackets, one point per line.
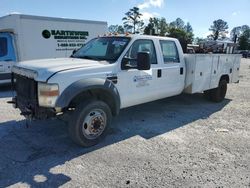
[3, 46]
[169, 51]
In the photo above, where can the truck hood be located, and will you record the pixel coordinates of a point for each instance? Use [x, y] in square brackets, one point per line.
[41, 70]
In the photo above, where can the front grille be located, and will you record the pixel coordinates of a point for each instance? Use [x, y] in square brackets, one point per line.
[26, 88]
[27, 99]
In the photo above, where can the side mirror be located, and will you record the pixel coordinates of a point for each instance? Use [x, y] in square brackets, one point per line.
[143, 61]
[74, 51]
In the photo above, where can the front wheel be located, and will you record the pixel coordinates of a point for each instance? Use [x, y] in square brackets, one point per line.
[89, 122]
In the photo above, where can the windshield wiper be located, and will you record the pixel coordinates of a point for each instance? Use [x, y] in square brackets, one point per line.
[86, 57]
[94, 58]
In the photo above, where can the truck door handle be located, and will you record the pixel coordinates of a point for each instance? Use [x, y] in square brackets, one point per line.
[181, 71]
[159, 73]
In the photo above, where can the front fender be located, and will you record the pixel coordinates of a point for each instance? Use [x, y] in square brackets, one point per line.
[83, 85]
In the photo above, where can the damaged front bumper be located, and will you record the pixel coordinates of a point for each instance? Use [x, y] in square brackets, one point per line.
[26, 99]
[31, 110]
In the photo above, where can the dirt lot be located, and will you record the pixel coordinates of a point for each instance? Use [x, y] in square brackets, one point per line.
[184, 141]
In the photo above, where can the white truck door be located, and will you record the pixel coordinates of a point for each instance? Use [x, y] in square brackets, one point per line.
[172, 79]
[138, 86]
[7, 56]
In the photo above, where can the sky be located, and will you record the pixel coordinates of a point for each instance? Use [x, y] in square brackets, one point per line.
[200, 13]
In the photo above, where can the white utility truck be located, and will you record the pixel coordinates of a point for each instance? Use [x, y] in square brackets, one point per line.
[25, 37]
[114, 72]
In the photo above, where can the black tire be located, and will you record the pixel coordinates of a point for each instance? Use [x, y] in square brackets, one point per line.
[207, 94]
[89, 116]
[218, 94]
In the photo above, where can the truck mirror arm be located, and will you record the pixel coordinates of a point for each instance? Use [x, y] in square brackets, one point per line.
[128, 66]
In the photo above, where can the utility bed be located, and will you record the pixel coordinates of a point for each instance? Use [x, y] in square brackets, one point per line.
[203, 71]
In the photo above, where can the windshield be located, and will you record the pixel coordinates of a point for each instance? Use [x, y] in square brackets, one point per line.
[103, 48]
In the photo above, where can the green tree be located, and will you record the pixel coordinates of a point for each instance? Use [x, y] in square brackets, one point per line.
[188, 28]
[116, 29]
[132, 21]
[219, 29]
[235, 33]
[120, 29]
[176, 29]
[184, 37]
[155, 22]
[244, 40]
[156, 26]
[184, 33]
[163, 27]
[178, 24]
[150, 28]
[244, 28]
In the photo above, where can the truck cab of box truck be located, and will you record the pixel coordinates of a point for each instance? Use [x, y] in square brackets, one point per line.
[7, 56]
[28, 37]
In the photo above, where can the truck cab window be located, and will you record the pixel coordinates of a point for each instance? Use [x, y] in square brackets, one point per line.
[169, 51]
[3, 47]
[141, 46]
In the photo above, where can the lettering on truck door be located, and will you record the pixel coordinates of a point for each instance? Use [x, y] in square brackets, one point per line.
[138, 86]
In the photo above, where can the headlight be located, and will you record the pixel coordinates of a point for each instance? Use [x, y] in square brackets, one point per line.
[47, 94]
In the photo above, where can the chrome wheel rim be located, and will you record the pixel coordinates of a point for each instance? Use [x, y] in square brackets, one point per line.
[94, 124]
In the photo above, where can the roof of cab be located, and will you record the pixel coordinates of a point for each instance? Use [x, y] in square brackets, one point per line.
[138, 36]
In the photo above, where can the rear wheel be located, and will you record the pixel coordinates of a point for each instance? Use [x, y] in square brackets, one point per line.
[89, 122]
[218, 94]
[207, 94]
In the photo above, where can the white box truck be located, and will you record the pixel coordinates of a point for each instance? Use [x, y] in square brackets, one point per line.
[114, 72]
[26, 37]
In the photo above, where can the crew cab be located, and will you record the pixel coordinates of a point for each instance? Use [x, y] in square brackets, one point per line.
[110, 73]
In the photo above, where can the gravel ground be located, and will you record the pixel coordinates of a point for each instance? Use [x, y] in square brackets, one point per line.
[183, 141]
